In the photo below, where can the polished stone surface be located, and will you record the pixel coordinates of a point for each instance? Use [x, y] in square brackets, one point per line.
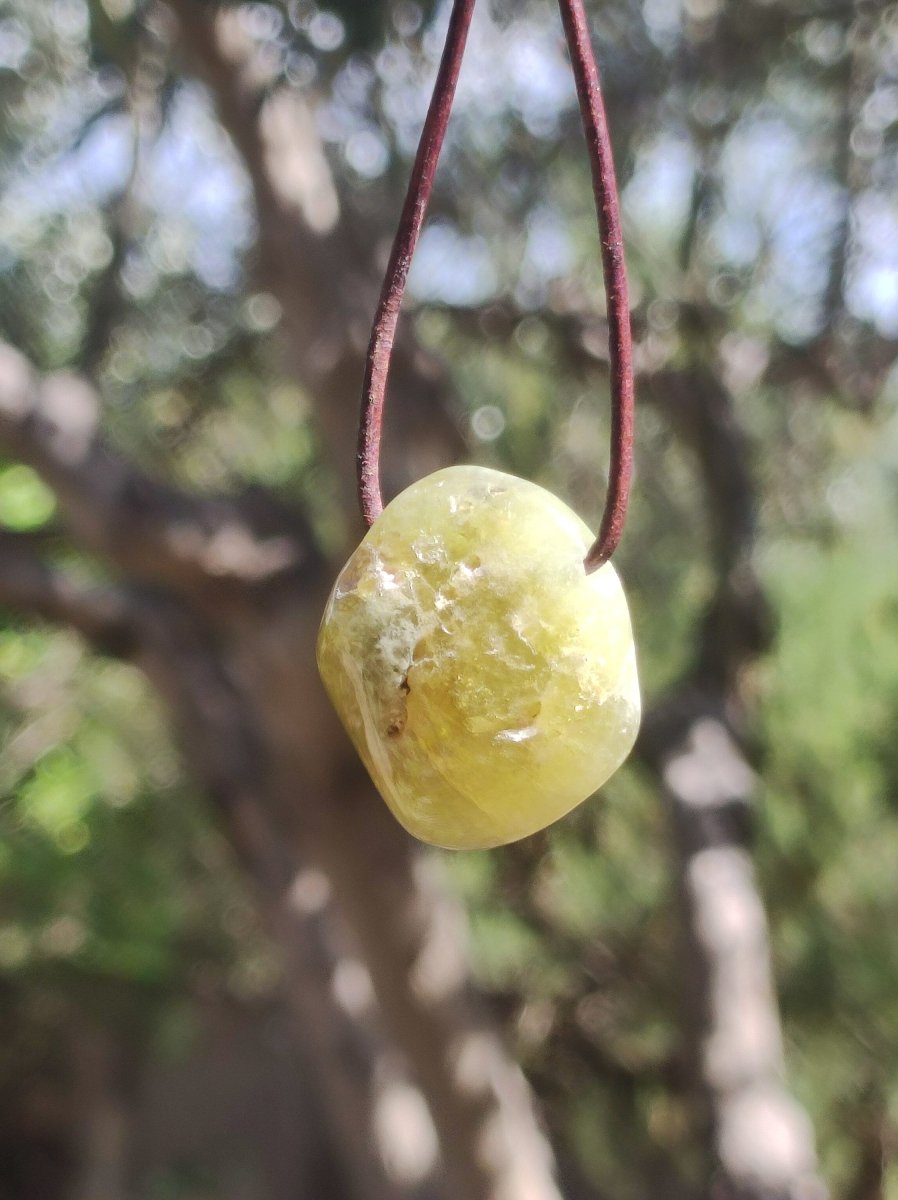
[487, 682]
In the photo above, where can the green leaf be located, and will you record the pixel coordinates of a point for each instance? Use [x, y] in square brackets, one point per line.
[25, 500]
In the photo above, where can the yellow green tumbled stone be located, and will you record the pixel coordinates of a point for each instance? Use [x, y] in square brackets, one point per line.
[488, 683]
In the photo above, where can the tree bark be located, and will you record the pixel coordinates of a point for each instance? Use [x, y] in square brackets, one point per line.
[760, 1138]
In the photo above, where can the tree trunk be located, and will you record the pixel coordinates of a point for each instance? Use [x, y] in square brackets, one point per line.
[379, 977]
[760, 1139]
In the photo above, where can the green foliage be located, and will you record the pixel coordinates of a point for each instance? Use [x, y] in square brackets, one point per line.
[25, 501]
[105, 869]
[830, 713]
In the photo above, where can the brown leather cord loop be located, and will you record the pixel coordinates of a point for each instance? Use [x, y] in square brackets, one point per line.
[586, 75]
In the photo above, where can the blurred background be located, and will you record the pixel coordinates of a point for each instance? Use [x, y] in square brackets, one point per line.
[225, 974]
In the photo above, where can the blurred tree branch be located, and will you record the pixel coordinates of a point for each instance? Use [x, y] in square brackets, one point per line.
[28, 585]
[114, 510]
